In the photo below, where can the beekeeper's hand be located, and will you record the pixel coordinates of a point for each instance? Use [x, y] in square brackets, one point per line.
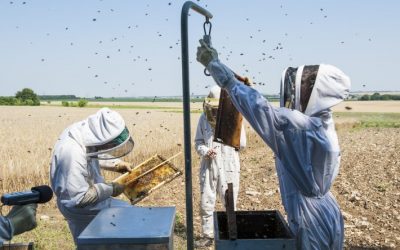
[211, 153]
[117, 189]
[205, 54]
[123, 167]
[22, 218]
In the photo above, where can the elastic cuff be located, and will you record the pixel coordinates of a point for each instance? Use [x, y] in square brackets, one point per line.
[203, 151]
[221, 73]
[104, 190]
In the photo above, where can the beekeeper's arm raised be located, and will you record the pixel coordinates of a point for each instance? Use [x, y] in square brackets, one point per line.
[262, 116]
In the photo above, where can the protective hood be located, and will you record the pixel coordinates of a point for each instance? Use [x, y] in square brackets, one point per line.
[313, 88]
[210, 105]
[215, 92]
[105, 136]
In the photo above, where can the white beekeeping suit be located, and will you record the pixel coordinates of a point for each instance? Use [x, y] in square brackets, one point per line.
[216, 169]
[75, 167]
[305, 145]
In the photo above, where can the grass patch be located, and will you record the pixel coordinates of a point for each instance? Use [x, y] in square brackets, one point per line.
[193, 111]
[49, 234]
[98, 106]
[382, 187]
[130, 107]
[372, 120]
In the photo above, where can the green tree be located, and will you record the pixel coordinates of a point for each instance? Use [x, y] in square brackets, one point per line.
[375, 96]
[28, 97]
[365, 98]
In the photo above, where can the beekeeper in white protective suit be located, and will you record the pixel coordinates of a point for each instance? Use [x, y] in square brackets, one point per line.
[75, 175]
[220, 165]
[302, 135]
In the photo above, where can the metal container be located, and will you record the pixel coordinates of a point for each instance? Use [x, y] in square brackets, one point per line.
[118, 228]
[256, 230]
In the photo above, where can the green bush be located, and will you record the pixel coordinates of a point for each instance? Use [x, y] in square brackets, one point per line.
[28, 102]
[65, 103]
[82, 103]
[8, 101]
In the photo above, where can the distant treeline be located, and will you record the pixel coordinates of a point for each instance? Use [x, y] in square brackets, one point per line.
[57, 97]
[72, 98]
[25, 97]
[379, 97]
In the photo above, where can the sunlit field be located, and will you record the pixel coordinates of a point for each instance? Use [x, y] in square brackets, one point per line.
[367, 187]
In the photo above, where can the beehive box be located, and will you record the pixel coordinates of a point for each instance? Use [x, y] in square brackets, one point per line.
[123, 228]
[256, 230]
[150, 175]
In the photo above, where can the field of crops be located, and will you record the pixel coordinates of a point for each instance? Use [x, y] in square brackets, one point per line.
[367, 188]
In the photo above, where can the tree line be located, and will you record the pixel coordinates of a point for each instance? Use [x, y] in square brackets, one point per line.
[379, 97]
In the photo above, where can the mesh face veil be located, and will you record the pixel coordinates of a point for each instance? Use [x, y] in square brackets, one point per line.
[297, 85]
[116, 148]
[210, 107]
[288, 88]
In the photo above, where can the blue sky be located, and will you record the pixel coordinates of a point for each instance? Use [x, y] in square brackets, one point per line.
[132, 48]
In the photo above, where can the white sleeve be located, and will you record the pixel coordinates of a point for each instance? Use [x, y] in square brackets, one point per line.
[243, 139]
[104, 191]
[261, 115]
[199, 141]
[108, 163]
[75, 164]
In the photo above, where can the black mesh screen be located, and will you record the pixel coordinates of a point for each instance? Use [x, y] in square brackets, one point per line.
[307, 84]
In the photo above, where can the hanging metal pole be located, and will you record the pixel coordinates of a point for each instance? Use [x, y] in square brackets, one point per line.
[186, 114]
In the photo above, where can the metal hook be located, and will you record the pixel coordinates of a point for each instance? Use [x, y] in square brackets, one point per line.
[207, 38]
[204, 27]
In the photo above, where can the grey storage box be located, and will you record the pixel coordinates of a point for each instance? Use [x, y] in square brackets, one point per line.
[256, 230]
[130, 228]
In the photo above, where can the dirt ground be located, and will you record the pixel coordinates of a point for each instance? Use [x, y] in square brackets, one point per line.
[367, 188]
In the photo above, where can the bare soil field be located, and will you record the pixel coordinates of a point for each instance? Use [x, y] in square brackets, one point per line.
[367, 188]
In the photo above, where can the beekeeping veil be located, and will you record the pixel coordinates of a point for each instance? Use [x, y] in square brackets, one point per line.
[210, 105]
[105, 135]
[313, 88]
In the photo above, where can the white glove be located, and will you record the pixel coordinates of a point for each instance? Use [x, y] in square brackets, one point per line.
[123, 167]
[205, 54]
